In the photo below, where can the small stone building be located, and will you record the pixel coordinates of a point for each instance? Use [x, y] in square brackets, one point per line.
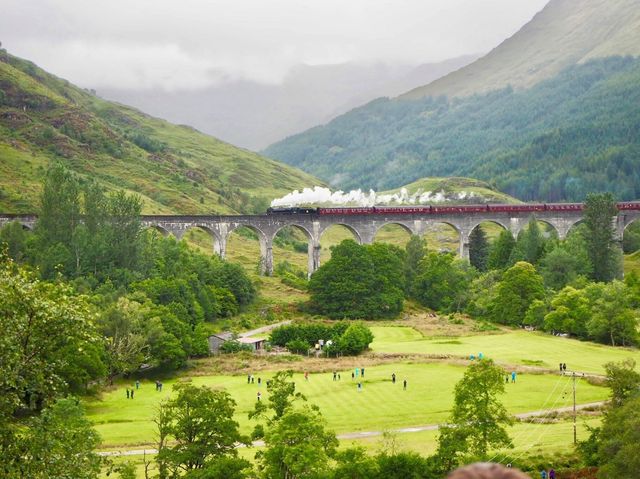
[256, 343]
[217, 340]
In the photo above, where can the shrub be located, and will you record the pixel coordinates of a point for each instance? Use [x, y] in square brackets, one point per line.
[298, 346]
[234, 346]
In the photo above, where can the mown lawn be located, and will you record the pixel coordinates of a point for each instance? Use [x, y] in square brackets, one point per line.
[379, 406]
[516, 347]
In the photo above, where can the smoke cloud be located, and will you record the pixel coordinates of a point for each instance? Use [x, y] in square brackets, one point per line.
[321, 196]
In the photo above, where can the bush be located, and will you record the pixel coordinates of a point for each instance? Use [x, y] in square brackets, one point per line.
[311, 333]
[355, 339]
[297, 346]
[234, 346]
[346, 338]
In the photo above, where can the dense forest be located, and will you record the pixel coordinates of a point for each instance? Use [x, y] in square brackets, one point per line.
[572, 134]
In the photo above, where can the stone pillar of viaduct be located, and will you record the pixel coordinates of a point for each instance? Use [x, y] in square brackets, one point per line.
[363, 227]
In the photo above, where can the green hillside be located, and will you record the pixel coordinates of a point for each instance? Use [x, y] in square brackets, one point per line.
[564, 33]
[174, 168]
[566, 136]
[455, 190]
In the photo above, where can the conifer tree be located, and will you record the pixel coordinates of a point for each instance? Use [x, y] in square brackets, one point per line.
[478, 249]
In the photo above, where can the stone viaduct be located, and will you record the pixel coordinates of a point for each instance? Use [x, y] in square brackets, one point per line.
[363, 227]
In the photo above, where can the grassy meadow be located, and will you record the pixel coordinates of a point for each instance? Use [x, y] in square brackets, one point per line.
[381, 405]
[519, 347]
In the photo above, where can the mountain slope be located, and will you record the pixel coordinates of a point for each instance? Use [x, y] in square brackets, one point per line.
[575, 133]
[175, 169]
[564, 33]
[253, 115]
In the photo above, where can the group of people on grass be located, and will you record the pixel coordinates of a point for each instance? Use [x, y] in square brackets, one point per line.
[131, 391]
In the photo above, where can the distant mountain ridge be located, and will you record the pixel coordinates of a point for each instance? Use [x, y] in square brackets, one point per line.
[175, 169]
[564, 33]
[254, 115]
[559, 138]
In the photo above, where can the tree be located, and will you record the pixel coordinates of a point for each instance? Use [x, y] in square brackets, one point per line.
[619, 438]
[478, 417]
[355, 463]
[58, 443]
[599, 211]
[520, 286]
[482, 292]
[39, 321]
[359, 281]
[623, 380]
[612, 446]
[478, 249]
[443, 281]
[531, 242]
[298, 446]
[613, 321]
[355, 339]
[282, 394]
[14, 236]
[126, 345]
[500, 251]
[197, 431]
[416, 249]
[403, 465]
[570, 312]
[60, 206]
[560, 267]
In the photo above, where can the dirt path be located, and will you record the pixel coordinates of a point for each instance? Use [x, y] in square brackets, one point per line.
[366, 434]
[263, 329]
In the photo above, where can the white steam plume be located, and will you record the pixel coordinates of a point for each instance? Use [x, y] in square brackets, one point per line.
[319, 195]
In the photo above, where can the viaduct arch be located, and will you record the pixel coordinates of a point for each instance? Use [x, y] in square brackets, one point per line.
[364, 226]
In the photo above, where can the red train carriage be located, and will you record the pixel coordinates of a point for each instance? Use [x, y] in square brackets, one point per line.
[409, 210]
[346, 211]
[629, 205]
[517, 208]
[565, 206]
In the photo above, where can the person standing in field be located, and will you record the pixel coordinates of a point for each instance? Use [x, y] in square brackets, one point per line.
[362, 373]
[513, 376]
[404, 384]
[393, 378]
[552, 474]
[128, 393]
[137, 384]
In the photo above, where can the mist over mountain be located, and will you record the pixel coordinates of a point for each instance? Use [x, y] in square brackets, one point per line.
[550, 114]
[564, 33]
[254, 115]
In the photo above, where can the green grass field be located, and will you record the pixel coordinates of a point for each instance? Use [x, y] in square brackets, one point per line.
[380, 405]
[528, 440]
[516, 347]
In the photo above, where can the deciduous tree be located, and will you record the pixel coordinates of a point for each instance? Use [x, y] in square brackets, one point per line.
[197, 431]
[478, 417]
[520, 286]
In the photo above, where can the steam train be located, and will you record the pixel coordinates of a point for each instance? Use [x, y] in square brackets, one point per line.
[436, 209]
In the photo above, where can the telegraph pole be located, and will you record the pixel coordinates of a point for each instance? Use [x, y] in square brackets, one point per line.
[575, 436]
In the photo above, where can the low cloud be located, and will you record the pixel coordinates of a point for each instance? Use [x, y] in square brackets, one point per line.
[191, 44]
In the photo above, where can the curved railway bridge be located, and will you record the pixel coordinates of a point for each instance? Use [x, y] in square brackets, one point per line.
[364, 225]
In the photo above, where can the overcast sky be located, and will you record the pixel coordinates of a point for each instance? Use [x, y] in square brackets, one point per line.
[190, 44]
